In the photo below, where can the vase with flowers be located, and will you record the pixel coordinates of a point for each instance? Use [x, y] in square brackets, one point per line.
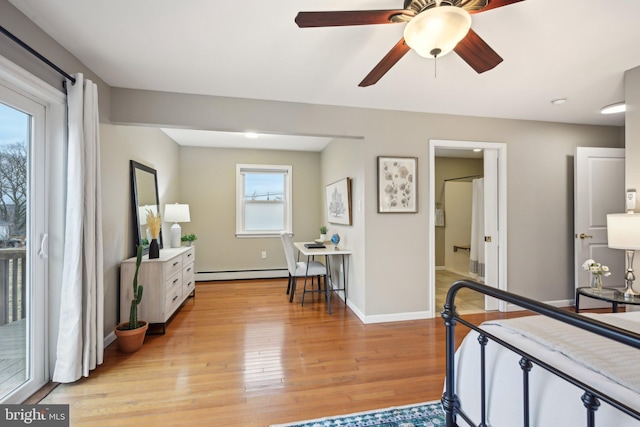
[597, 270]
[154, 223]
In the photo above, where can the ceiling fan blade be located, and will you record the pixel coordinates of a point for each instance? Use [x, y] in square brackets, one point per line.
[494, 4]
[348, 17]
[477, 53]
[390, 59]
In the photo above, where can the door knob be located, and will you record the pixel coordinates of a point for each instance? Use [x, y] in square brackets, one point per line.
[585, 236]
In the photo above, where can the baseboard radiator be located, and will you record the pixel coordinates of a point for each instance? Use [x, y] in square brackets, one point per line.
[240, 275]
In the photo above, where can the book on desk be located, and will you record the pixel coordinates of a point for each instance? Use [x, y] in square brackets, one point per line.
[314, 245]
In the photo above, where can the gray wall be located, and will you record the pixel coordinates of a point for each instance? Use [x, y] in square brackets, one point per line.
[119, 145]
[540, 182]
[208, 185]
[343, 158]
[632, 154]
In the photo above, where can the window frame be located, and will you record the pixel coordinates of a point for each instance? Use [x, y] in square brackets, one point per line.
[241, 171]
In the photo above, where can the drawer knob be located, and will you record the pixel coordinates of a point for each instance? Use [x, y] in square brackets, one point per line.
[175, 298]
[175, 280]
[176, 263]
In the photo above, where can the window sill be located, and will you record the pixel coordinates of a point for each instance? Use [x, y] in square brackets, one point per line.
[257, 235]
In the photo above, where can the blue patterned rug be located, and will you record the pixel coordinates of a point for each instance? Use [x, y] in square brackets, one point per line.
[428, 414]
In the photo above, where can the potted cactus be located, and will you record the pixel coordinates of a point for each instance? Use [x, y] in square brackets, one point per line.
[131, 334]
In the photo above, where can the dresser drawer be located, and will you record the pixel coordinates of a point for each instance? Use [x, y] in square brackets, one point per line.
[189, 256]
[188, 281]
[174, 299]
[174, 282]
[173, 266]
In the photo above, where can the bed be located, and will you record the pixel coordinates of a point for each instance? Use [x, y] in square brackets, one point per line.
[555, 368]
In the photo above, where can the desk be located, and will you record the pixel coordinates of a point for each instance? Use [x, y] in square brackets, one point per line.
[612, 295]
[328, 251]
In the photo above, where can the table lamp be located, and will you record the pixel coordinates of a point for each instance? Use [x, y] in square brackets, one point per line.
[176, 213]
[623, 232]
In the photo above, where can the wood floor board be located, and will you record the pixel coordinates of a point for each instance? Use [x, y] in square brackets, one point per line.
[239, 354]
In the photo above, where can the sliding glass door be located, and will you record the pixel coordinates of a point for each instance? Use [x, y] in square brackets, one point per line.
[23, 274]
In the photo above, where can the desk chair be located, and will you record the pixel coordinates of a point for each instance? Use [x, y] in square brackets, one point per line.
[300, 269]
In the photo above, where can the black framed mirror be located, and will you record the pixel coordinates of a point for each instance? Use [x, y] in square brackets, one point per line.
[144, 195]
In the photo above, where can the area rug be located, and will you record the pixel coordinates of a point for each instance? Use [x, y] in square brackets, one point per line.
[427, 414]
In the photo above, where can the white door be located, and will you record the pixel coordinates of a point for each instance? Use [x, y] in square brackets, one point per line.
[491, 221]
[598, 191]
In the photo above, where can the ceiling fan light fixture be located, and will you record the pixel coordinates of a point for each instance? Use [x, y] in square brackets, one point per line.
[436, 31]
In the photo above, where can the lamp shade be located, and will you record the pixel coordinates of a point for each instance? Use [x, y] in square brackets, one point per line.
[437, 31]
[176, 213]
[623, 231]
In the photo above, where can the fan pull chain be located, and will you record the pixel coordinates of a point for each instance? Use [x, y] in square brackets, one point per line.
[435, 52]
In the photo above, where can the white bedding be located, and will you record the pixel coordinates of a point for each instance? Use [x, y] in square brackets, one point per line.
[610, 367]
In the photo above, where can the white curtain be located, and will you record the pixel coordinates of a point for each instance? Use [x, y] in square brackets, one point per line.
[80, 346]
[476, 254]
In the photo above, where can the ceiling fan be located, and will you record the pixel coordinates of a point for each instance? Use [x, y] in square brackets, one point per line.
[422, 18]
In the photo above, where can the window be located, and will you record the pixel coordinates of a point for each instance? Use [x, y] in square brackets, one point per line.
[263, 200]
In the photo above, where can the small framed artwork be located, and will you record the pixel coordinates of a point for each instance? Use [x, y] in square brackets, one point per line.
[397, 184]
[339, 202]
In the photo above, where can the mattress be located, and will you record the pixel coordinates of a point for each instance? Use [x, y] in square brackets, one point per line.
[609, 367]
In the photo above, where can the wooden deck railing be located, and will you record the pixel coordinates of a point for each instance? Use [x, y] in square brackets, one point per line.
[13, 279]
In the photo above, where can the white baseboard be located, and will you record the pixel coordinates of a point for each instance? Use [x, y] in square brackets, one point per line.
[109, 339]
[241, 275]
[385, 318]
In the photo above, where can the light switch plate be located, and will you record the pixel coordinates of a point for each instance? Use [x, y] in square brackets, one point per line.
[631, 200]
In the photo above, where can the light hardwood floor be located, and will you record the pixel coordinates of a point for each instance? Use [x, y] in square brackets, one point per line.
[239, 354]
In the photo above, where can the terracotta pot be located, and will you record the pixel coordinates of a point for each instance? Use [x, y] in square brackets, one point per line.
[130, 340]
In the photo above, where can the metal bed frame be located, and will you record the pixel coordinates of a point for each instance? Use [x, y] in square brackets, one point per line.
[591, 397]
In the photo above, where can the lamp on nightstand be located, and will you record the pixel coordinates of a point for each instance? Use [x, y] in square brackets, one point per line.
[623, 232]
[176, 213]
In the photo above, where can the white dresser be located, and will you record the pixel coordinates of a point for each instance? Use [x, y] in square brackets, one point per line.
[167, 281]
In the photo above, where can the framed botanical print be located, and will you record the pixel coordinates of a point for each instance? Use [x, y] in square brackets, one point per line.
[339, 202]
[397, 184]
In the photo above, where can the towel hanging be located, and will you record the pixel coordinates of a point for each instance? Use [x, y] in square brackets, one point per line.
[439, 217]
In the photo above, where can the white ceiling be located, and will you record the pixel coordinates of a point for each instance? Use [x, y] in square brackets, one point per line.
[574, 49]
[203, 138]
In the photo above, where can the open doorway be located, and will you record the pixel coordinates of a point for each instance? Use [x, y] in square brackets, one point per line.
[467, 220]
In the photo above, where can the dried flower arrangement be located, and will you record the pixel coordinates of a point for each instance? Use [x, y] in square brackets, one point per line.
[153, 223]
